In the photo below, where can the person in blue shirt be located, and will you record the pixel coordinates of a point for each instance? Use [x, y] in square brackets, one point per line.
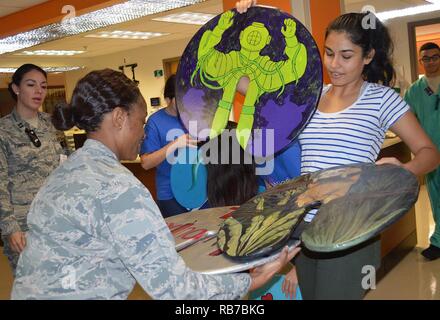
[231, 173]
[164, 134]
[234, 176]
[239, 180]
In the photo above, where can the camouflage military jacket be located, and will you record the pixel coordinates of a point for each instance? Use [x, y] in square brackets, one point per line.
[24, 167]
[94, 230]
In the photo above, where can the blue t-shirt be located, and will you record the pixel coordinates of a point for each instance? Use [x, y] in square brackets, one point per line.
[286, 166]
[158, 126]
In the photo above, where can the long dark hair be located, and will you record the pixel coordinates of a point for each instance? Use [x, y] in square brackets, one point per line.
[231, 184]
[375, 36]
[98, 93]
[19, 74]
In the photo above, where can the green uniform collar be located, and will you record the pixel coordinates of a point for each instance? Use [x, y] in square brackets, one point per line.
[19, 122]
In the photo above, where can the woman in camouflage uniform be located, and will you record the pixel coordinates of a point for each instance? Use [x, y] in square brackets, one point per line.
[29, 152]
[94, 229]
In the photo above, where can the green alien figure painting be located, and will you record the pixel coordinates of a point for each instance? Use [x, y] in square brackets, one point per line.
[278, 59]
[264, 74]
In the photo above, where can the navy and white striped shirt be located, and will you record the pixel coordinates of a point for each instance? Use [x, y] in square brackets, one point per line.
[353, 135]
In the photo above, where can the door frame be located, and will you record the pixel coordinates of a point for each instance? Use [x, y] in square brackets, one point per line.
[413, 44]
[167, 66]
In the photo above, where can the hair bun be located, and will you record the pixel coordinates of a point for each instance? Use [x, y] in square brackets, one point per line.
[62, 117]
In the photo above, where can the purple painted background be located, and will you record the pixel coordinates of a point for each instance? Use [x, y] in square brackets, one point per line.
[287, 115]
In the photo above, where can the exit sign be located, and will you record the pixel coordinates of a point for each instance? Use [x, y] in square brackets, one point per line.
[158, 73]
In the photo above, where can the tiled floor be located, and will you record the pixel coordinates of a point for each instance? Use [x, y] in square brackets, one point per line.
[413, 278]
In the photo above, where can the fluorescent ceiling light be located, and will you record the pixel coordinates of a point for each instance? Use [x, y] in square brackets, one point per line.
[7, 70]
[266, 6]
[47, 69]
[129, 35]
[50, 53]
[187, 17]
[119, 13]
[61, 69]
[392, 14]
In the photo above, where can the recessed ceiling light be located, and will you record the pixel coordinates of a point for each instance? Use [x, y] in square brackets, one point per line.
[119, 13]
[129, 35]
[50, 53]
[187, 17]
[47, 69]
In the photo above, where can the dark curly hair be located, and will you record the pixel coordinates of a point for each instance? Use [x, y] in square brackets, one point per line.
[19, 74]
[98, 93]
[375, 36]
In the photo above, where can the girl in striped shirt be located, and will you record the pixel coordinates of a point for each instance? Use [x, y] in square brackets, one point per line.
[349, 127]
